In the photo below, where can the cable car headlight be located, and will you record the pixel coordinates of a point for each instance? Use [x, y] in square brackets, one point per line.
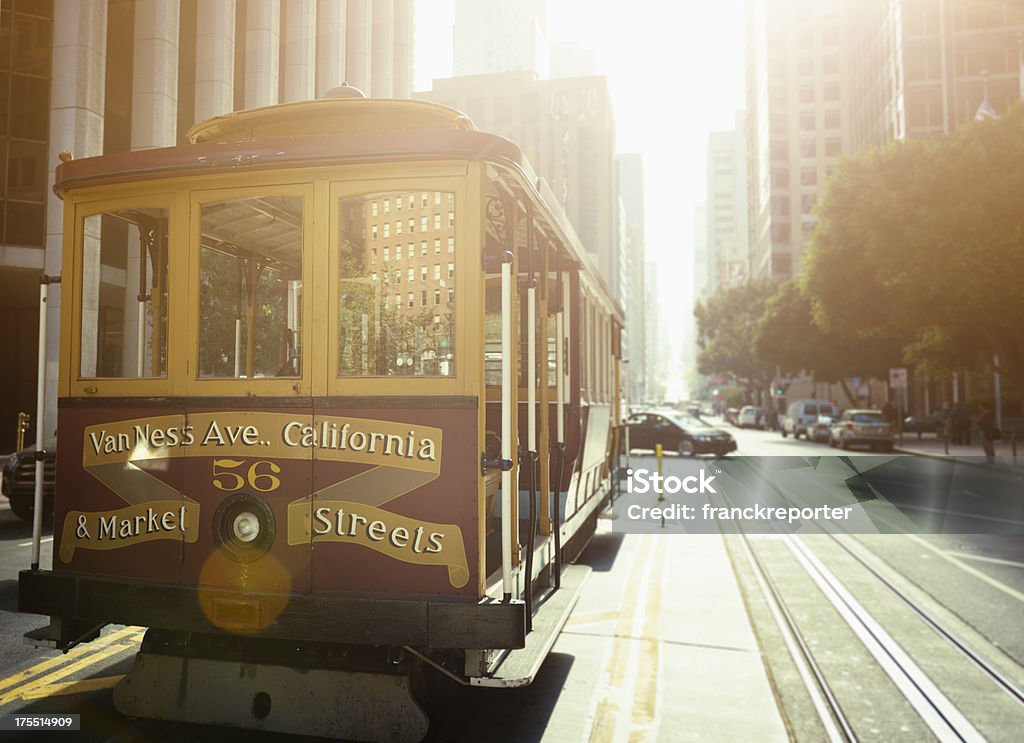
[244, 527]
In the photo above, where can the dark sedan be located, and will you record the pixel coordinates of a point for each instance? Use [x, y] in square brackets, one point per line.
[677, 432]
[19, 480]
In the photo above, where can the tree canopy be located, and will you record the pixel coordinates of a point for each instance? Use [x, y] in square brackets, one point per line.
[726, 325]
[924, 240]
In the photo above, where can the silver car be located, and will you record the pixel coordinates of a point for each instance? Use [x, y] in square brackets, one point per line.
[861, 428]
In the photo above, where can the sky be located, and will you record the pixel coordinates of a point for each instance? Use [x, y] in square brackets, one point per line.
[676, 73]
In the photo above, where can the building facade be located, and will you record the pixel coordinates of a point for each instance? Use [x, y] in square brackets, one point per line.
[500, 36]
[798, 109]
[631, 192]
[93, 77]
[728, 254]
[567, 131]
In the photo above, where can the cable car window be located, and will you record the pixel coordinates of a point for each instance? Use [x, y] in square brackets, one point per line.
[250, 288]
[124, 294]
[376, 337]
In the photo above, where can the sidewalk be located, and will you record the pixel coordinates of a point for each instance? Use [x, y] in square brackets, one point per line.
[930, 445]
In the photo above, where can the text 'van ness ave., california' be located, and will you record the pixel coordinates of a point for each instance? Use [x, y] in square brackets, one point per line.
[162, 436]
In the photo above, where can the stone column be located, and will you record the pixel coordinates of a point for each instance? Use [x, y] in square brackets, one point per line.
[262, 54]
[382, 46]
[155, 78]
[401, 86]
[357, 45]
[76, 126]
[215, 58]
[300, 50]
[330, 44]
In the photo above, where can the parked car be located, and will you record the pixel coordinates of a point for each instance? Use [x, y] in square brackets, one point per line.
[19, 480]
[751, 417]
[732, 416]
[677, 432]
[802, 415]
[862, 428]
[821, 430]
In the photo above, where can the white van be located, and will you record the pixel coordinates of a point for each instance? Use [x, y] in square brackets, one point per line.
[801, 416]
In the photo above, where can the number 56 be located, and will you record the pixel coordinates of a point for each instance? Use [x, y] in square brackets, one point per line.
[225, 478]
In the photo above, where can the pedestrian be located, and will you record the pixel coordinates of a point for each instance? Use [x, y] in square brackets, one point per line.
[989, 432]
[961, 426]
[889, 412]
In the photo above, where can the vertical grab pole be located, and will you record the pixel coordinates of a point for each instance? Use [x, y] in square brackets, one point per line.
[531, 423]
[560, 349]
[507, 360]
[40, 455]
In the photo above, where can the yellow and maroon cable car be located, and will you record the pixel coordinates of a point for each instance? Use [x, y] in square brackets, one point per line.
[338, 401]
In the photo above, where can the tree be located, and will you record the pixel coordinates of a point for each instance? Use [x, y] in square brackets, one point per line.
[924, 240]
[726, 324]
[787, 336]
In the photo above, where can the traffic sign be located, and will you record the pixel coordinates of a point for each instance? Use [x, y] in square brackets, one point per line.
[898, 378]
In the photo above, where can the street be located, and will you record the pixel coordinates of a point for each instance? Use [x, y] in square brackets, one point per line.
[685, 637]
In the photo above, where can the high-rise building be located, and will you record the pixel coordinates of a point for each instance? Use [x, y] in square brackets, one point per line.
[631, 192]
[567, 131]
[500, 36]
[798, 109]
[930, 65]
[92, 77]
[728, 254]
[833, 77]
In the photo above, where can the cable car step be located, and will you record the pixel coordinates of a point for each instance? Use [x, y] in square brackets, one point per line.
[520, 667]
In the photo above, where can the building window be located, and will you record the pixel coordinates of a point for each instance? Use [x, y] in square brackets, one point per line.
[423, 223]
[423, 247]
[412, 225]
[833, 147]
[451, 270]
[387, 254]
[451, 244]
[807, 202]
[807, 94]
[437, 246]
[437, 198]
[373, 232]
[451, 219]
[830, 65]
[805, 66]
[387, 229]
[808, 176]
[375, 336]
[237, 232]
[807, 121]
[387, 206]
[398, 228]
[437, 271]
[808, 148]
[373, 209]
[109, 289]
[437, 297]
[832, 119]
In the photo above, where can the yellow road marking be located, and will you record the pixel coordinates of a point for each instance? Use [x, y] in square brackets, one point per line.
[78, 652]
[645, 700]
[599, 616]
[88, 660]
[73, 687]
[606, 717]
